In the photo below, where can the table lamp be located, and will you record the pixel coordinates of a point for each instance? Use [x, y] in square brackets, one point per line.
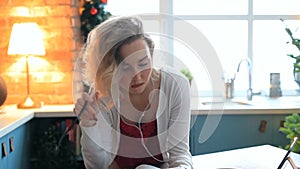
[26, 40]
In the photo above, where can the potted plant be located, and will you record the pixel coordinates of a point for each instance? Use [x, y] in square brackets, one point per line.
[291, 128]
[187, 74]
[296, 43]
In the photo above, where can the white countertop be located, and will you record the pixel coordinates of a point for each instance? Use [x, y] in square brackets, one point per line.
[13, 117]
[258, 157]
[240, 105]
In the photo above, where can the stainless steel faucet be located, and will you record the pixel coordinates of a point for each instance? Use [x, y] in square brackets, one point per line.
[249, 65]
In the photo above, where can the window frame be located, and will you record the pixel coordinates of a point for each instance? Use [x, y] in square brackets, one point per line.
[166, 24]
[250, 18]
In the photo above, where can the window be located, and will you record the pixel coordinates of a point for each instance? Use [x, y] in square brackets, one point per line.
[236, 29]
[230, 43]
[119, 7]
[210, 7]
[270, 53]
[276, 7]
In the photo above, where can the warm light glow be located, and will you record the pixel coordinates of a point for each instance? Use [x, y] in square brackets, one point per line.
[28, 102]
[40, 70]
[20, 11]
[26, 39]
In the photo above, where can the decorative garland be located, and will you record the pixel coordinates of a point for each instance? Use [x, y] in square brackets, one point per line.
[92, 14]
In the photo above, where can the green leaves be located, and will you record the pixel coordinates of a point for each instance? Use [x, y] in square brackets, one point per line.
[296, 43]
[188, 74]
[292, 129]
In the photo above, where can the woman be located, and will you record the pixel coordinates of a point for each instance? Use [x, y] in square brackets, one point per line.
[136, 114]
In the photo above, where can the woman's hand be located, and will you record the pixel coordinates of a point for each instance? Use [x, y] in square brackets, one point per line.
[88, 116]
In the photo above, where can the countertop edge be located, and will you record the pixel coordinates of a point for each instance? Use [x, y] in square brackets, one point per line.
[15, 124]
[18, 117]
[244, 111]
[57, 111]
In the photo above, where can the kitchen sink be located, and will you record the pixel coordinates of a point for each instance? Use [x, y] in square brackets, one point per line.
[227, 102]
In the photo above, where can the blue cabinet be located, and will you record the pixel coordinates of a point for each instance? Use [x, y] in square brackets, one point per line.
[237, 131]
[4, 153]
[15, 149]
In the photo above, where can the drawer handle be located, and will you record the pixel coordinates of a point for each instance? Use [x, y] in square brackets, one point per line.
[3, 147]
[11, 144]
[263, 126]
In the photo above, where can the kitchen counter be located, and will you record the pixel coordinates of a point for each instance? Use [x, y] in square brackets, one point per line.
[13, 117]
[240, 105]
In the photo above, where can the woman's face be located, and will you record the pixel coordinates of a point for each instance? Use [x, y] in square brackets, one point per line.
[135, 69]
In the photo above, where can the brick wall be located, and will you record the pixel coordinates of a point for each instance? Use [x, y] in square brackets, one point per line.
[51, 75]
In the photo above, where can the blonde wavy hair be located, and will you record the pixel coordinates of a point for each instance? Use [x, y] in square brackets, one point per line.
[101, 53]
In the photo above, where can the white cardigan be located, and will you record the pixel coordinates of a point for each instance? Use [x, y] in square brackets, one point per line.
[100, 142]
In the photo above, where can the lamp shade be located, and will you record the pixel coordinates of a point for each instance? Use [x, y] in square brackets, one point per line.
[26, 39]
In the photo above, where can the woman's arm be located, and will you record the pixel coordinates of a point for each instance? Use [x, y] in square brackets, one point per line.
[96, 139]
[179, 125]
[94, 156]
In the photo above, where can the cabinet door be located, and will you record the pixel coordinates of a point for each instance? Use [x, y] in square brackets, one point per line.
[3, 153]
[238, 131]
[14, 149]
[17, 148]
